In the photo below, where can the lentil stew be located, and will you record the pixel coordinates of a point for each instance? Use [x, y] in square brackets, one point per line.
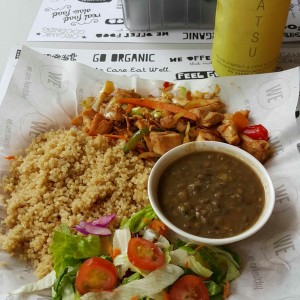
[211, 194]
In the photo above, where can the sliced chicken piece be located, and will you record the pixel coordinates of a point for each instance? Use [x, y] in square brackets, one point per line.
[112, 111]
[88, 115]
[211, 119]
[141, 123]
[148, 143]
[120, 93]
[167, 122]
[164, 141]
[229, 132]
[260, 149]
[245, 112]
[214, 104]
[84, 120]
[181, 125]
[99, 125]
[209, 135]
[207, 118]
[77, 121]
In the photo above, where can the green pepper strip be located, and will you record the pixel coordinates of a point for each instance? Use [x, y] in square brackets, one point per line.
[133, 141]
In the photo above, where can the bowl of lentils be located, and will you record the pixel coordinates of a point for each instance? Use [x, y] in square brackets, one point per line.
[211, 192]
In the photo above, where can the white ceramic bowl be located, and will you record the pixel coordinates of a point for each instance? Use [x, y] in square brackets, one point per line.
[188, 148]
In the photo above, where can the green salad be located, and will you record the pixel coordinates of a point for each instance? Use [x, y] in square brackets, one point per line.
[137, 261]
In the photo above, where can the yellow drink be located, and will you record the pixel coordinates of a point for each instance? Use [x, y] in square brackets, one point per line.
[248, 35]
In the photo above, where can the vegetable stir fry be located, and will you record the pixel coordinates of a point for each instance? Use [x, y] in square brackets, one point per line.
[138, 261]
[153, 125]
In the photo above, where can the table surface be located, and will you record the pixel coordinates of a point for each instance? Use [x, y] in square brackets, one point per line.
[16, 20]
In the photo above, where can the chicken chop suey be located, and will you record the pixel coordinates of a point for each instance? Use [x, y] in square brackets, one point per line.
[153, 125]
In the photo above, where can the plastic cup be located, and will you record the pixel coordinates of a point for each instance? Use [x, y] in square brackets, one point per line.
[248, 35]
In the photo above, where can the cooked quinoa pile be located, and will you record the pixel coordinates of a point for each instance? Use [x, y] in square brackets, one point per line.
[66, 176]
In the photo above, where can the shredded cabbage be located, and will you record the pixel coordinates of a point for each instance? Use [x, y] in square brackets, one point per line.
[178, 257]
[162, 242]
[139, 220]
[150, 285]
[150, 235]
[120, 241]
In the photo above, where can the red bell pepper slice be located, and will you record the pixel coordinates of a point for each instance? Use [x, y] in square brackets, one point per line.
[256, 132]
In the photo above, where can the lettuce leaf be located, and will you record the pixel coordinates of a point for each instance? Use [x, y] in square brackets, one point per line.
[197, 267]
[68, 253]
[217, 263]
[232, 265]
[220, 262]
[139, 220]
[134, 276]
[69, 249]
[213, 288]
[63, 287]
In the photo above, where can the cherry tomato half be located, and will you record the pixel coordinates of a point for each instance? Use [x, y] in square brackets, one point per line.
[256, 132]
[144, 254]
[189, 287]
[95, 275]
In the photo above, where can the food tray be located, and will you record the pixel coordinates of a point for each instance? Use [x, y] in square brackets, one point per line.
[169, 14]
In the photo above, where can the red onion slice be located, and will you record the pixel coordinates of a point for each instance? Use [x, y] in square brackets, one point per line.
[97, 227]
[80, 229]
[103, 221]
[88, 228]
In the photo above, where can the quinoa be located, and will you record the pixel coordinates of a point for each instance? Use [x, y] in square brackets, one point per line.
[66, 176]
